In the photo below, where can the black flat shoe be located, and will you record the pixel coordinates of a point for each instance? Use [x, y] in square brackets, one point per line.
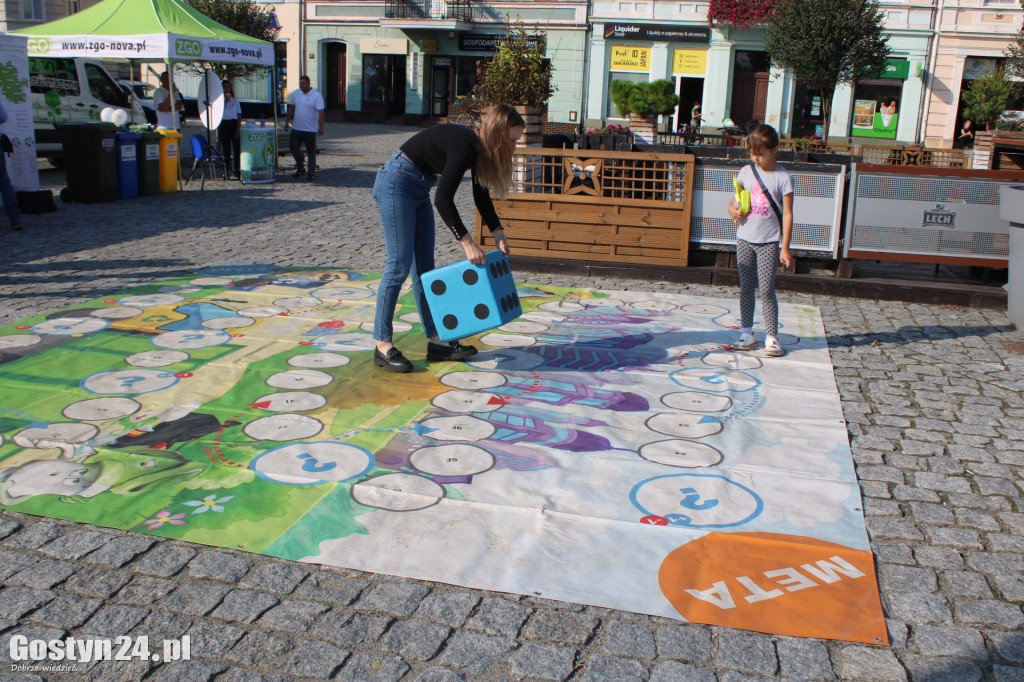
[444, 352]
[392, 361]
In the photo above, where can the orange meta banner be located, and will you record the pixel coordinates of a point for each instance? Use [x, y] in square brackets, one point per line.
[779, 584]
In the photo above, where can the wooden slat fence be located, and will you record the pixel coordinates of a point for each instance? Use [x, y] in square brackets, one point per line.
[599, 205]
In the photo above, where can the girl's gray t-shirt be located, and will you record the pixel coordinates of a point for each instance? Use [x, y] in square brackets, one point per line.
[761, 225]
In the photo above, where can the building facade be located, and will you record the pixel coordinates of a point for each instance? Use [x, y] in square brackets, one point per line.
[406, 60]
[970, 39]
[729, 73]
[19, 14]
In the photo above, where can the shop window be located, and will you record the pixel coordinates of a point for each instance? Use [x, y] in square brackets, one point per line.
[752, 61]
[876, 109]
[466, 74]
[374, 73]
[33, 10]
[808, 117]
[974, 68]
[610, 110]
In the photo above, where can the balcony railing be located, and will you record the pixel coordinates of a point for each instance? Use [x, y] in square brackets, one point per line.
[456, 10]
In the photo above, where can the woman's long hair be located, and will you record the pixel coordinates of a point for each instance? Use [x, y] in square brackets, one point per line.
[494, 165]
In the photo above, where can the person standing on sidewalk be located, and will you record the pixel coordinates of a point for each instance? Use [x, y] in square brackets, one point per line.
[6, 189]
[165, 117]
[402, 192]
[762, 238]
[230, 130]
[306, 118]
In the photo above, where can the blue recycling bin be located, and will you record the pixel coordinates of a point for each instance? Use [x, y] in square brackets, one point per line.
[127, 165]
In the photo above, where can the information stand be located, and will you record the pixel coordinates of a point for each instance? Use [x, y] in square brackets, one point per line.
[258, 153]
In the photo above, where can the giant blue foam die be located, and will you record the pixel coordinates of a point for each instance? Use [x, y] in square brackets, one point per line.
[467, 299]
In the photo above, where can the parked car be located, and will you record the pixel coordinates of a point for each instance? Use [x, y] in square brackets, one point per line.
[144, 96]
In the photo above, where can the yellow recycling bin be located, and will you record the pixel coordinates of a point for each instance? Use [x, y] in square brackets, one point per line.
[169, 166]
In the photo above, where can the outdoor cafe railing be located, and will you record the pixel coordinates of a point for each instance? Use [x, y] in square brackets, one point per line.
[883, 155]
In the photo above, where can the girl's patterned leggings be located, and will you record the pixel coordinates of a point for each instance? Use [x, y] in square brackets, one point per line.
[757, 264]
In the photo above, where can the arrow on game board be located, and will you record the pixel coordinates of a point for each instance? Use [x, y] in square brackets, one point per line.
[418, 429]
[220, 458]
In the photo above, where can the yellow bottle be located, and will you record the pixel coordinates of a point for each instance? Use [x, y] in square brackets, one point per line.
[742, 196]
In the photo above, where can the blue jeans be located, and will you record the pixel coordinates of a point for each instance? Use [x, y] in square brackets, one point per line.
[402, 192]
[7, 192]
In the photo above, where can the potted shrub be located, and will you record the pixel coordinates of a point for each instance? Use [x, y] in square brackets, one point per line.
[643, 103]
[987, 97]
[518, 75]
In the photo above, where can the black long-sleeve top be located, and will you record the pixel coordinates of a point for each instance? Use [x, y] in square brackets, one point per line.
[449, 150]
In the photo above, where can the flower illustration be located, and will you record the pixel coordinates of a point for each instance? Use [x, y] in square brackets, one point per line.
[163, 517]
[210, 502]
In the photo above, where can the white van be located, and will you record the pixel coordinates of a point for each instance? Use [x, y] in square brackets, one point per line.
[71, 90]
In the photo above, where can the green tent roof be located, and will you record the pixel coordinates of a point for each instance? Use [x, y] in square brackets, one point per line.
[146, 30]
[139, 17]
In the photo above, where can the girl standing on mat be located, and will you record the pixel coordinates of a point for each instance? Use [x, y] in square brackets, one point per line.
[762, 238]
[402, 191]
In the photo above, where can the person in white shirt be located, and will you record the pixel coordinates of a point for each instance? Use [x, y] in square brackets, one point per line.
[306, 118]
[230, 129]
[165, 118]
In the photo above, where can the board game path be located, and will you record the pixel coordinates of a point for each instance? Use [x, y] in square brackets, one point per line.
[932, 394]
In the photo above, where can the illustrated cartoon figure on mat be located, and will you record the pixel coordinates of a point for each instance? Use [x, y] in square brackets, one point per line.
[170, 432]
[126, 472]
[523, 389]
[480, 412]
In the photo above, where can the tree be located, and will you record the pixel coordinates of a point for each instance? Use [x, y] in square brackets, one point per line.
[1015, 54]
[244, 16]
[518, 74]
[827, 43]
[986, 98]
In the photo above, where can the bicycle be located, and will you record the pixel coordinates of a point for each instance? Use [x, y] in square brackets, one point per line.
[469, 117]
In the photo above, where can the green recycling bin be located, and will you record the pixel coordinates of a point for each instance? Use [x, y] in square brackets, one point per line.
[149, 163]
[90, 161]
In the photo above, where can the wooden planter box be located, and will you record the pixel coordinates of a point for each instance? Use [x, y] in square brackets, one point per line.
[533, 125]
[602, 141]
[644, 128]
[598, 205]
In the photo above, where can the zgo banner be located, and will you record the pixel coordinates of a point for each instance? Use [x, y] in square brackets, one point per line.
[14, 90]
[154, 47]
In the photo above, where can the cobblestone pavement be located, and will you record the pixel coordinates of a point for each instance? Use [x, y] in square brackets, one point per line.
[932, 394]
